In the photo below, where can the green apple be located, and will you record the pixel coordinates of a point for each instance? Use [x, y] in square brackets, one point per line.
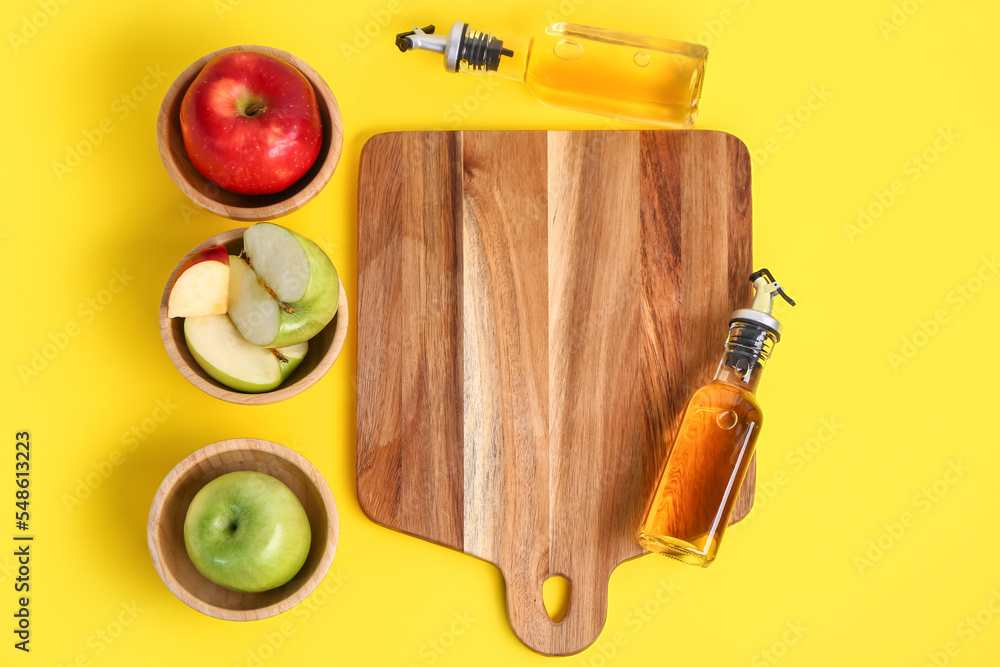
[247, 531]
[225, 355]
[283, 289]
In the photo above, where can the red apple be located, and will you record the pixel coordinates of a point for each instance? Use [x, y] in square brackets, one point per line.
[250, 123]
[202, 285]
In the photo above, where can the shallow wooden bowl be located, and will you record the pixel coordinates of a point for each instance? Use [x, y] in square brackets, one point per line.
[165, 530]
[324, 347]
[248, 208]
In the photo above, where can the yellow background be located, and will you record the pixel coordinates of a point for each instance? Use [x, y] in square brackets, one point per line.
[869, 85]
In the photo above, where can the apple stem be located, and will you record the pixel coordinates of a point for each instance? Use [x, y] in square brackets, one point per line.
[281, 358]
[254, 110]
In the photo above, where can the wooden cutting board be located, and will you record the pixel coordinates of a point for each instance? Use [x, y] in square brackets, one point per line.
[534, 310]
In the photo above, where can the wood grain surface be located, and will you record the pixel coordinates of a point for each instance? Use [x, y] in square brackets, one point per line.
[535, 309]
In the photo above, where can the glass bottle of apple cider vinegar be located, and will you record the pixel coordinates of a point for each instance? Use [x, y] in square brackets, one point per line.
[701, 479]
[579, 68]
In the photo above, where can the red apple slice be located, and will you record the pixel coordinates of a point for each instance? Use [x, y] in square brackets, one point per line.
[202, 285]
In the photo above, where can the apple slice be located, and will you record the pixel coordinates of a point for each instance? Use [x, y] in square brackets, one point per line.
[284, 291]
[225, 355]
[202, 285]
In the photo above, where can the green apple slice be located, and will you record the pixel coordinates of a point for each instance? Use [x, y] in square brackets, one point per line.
[285, 290]
[251, 307]
[229, 358]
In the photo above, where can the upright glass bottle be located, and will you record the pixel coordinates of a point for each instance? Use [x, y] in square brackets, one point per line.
[579, 68]
[694, 499]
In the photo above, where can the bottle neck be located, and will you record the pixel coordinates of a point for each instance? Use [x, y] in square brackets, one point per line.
[482, 52]
[515, 66]
[747, 350]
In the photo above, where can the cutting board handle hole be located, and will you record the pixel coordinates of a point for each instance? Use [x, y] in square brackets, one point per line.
[555, 595]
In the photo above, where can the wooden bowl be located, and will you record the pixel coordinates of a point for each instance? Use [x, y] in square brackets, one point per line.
[248, 208]
[324, 347]
[165, 530]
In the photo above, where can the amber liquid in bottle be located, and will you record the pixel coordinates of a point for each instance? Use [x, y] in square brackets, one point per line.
[608, 73]
[641, 79]
[705, 467]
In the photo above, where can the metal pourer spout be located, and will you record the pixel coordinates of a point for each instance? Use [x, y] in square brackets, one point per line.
[465, 49]
[759, 312]
[421, 38]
